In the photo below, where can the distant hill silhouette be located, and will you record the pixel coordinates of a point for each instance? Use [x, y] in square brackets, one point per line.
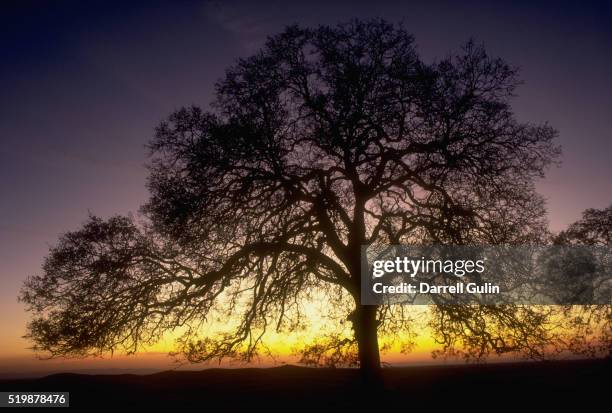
[289, 388]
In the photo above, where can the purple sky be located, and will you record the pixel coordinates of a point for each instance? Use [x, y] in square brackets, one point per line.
[82, 88]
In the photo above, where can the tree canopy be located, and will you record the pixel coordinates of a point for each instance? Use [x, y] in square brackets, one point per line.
[325, 140]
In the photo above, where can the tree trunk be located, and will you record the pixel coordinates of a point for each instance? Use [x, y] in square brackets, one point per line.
[364, 320]
[365, 327]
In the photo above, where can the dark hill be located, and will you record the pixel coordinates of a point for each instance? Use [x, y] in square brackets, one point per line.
[522, 386]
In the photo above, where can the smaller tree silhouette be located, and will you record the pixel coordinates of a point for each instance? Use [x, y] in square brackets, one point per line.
[590, 326]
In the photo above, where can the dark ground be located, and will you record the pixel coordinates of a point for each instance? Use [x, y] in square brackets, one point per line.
[565, 385]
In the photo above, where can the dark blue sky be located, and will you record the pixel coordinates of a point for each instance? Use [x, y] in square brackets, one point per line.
[83, 84]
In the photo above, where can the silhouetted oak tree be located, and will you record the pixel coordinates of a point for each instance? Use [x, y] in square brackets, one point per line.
[326, 140]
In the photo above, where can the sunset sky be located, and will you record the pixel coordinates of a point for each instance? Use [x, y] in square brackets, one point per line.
[83, 84]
